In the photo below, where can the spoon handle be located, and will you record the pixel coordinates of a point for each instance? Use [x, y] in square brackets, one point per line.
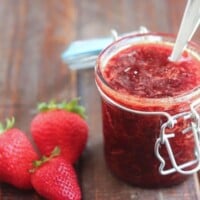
[189, 25]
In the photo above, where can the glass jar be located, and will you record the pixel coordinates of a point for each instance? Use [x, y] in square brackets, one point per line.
[150, 140]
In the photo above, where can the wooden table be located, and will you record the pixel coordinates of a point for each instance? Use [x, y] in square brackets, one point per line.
[33, 34]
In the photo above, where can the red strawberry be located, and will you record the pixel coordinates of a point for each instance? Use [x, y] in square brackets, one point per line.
[16, 156]
[60, 125]
[55, 179]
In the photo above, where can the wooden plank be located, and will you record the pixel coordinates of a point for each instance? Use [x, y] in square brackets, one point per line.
[32, 44]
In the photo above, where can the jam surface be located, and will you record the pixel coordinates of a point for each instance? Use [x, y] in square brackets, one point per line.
[145, 71]
[129, 138]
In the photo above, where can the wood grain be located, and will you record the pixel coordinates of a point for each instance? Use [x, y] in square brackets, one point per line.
[33, 34]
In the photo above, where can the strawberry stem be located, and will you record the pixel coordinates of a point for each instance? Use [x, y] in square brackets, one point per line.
[71, 106]
[37, 163]
[9, 124]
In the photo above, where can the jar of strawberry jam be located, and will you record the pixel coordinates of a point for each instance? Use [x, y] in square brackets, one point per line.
[150, 109]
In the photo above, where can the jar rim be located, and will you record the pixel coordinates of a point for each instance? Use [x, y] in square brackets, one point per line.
[128, 99]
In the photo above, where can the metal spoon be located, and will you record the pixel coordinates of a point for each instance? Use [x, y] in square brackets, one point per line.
[189, 25]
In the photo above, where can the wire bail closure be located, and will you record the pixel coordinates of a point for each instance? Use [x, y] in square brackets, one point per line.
[191, 166]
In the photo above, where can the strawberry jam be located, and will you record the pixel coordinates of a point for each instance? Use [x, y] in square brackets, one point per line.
[136, 79]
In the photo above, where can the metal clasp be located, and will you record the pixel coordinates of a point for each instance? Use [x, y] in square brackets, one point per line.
[190, 166]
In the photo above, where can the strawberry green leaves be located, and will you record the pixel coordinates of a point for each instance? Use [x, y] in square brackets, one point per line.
[8, 125]
[72, 106]
[44, 159]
